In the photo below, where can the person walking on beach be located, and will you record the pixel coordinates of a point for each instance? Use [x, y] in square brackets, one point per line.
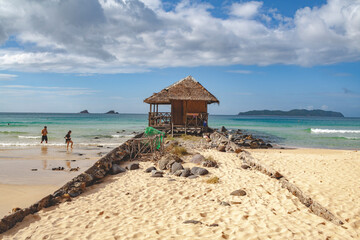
[44, 133]
[68, 140]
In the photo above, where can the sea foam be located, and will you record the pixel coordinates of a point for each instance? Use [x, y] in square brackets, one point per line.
[318, 131]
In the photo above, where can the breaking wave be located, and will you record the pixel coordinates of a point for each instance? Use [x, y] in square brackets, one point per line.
[320, 131]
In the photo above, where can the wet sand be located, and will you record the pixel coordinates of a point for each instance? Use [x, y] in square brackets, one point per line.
[26, 174]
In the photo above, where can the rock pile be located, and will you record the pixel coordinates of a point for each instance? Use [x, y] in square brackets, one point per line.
[172, 163]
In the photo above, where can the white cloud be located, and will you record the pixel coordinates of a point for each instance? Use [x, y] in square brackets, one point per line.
[114, 36]
[246, 9]
[21, 90]
[7, 77]
[324, 107]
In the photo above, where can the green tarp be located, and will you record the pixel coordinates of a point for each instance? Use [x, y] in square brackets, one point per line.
[149, 131]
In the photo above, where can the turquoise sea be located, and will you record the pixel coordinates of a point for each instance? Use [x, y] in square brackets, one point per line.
[24, 129]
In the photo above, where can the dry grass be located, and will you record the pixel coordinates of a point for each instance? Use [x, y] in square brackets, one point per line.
[212, 161]
[212, 180]
[180, 151]
[190, 137]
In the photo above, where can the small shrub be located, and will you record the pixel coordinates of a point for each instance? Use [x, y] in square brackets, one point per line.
[169, 138]
[180, 151]
[212, 180]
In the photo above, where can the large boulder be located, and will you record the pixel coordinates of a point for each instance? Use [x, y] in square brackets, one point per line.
[186, 172]
[197, 159]
[199, 171]
[166, 161]
[176, 166]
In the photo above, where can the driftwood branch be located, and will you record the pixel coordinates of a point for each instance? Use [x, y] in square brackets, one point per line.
[314, 206]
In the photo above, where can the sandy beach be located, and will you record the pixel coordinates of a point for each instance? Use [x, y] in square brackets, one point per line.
[133, 205]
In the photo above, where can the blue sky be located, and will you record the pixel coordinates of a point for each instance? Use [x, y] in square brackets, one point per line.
[66, 56]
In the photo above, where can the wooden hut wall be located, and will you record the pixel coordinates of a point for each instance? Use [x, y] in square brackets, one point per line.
[193, 106]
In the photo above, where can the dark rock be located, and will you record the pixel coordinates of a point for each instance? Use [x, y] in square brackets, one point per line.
[225, 204]
[134, 166]
[199, 171]
[74, 169]
[96, 138]
[254, 145]
[84, 111]
[58, 169]
[115, 169]
[223, 129]
[192, 222]
[209, 163]
[74, 192]
[178, 173]
[170, 163]
[99, 173]
[100, 146]
[197, 159]
[171, 180]
[277, 175]
[148, 170]
[176, 166]
[245, 166]
[238, 193]
[163, 162]
[269, 145]
[186, 172]
[34, 169]
[156, 173]
[221, 148]
[192, 176]
[213, 225]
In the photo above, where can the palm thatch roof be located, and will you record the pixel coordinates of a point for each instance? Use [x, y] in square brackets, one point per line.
[185, 89]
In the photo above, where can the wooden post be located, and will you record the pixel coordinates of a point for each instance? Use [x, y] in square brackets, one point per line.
[172, 129]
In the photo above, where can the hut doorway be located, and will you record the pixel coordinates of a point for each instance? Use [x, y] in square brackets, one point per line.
[177, 112]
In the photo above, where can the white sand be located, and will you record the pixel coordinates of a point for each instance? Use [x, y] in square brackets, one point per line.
[133, 205]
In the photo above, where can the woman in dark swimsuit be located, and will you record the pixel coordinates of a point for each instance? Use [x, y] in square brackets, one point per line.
[68, 140]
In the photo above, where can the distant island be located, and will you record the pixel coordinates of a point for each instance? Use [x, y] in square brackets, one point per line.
[112, 112]
[293, 113]
[84, 111]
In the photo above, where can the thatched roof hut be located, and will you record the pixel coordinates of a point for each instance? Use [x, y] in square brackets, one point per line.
[185, 89]
[188, 100]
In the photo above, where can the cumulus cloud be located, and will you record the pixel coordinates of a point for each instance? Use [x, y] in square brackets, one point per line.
[245, 9]
[113, 36]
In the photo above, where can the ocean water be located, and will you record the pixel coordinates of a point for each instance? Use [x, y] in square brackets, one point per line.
[24, 129]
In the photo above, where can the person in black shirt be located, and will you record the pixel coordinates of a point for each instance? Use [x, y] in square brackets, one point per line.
[68, 140]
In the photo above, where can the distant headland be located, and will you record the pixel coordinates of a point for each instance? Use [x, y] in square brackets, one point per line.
[293, 113]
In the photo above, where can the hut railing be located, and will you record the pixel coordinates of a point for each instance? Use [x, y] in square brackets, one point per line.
[159, 119]
[196, 119]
